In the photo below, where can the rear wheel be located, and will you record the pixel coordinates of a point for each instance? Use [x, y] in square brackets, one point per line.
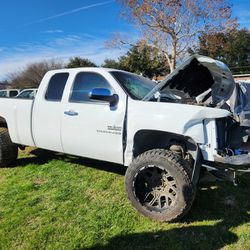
[8, 150]
[158, 184]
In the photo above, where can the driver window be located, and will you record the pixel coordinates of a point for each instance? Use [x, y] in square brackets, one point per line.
[84, 83]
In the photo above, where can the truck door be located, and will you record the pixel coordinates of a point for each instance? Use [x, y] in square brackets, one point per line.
[91, 128]
[46, 116]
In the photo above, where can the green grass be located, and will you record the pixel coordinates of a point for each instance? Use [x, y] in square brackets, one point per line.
[57, 202]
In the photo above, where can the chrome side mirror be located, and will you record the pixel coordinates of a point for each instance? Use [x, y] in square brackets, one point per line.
[105, 95]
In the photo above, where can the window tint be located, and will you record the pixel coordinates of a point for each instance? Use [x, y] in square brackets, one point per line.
[84, 83]
[56, 87]
[13, 93]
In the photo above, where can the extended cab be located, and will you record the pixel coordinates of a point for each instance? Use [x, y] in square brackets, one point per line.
[164, 133]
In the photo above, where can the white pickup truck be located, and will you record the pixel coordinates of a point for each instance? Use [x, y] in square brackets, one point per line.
[164, 133]
[9, 92]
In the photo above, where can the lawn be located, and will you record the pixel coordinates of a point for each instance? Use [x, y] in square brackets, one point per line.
[50, 201]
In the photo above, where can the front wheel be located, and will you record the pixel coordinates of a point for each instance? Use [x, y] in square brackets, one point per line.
[158, 184]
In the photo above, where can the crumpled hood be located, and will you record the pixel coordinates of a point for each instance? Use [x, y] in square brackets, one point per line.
[201, 78]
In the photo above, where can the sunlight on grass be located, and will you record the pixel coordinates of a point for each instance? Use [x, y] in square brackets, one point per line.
[56, 202]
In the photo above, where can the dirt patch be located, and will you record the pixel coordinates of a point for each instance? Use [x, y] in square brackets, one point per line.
[2, 179]
[39, 181]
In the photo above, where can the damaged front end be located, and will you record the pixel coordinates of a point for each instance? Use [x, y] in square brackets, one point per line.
[233, 150]
[199, 80]
[206, 82]
[234, 132]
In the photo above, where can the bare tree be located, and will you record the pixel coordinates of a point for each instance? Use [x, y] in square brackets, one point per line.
[32, 74]
[174, 25]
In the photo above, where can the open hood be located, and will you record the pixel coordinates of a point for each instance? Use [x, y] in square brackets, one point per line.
[199, 78]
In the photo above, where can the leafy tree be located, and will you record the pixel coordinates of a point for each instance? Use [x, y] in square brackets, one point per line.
[141, 59]
[110, 63]
[77, 62]
[144, 59]
[32, 74]
[232, 47]
[174, 25]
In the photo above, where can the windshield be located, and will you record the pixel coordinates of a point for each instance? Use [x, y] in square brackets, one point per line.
[136, 86]
[27, 94]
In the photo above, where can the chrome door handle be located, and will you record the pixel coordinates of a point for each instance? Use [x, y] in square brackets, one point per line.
[71, 113]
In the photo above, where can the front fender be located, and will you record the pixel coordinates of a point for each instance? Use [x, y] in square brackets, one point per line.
[181, 119]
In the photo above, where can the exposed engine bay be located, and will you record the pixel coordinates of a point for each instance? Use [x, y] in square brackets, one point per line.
[206, 82]
[199, 80]
[234, 132]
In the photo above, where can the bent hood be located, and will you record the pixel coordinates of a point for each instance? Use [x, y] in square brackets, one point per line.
[201, 78]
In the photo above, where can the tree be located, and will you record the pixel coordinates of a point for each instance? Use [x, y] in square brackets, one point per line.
[4, 84]
[32, 74]
[174, 25]
[144, 59]
[232, 47]
[77, 62]
[110, 63]
[141, 59]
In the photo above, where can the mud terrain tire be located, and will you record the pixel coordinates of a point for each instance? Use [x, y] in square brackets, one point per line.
[158, 184]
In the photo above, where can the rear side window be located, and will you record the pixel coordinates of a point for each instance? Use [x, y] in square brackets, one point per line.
[56, 87]
[84, 83]
[13, 93]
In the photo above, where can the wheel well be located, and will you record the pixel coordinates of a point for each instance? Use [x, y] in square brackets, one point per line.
[145, 140]
[3, 123]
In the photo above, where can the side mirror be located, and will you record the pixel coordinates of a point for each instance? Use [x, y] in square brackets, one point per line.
[105, 95]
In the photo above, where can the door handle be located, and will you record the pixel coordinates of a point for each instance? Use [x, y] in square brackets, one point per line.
[71, 113]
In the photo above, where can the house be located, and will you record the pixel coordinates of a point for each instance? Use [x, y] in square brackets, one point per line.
[242, 78]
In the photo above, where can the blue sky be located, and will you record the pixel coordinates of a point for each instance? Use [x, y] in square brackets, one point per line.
[42, 29]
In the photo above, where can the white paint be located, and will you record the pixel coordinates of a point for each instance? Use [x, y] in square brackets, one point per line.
[180, 119]
[80, 135]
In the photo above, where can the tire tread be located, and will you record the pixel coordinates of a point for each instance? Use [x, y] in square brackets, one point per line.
[182, 166]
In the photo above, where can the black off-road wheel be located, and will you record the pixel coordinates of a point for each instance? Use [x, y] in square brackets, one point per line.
[158, 184]
[8, 150]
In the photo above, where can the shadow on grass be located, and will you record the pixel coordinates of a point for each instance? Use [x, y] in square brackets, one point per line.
[219, 210]
[42, 156]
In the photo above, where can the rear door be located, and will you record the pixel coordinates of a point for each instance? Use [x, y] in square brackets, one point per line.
[92, 128]
[47, 112]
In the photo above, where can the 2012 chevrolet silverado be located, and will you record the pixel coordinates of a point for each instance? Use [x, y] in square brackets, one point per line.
[164, 133]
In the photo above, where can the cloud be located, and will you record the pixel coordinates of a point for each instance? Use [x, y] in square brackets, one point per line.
[2, 49]
[84, 45]
[53, 31]
[70, 12]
